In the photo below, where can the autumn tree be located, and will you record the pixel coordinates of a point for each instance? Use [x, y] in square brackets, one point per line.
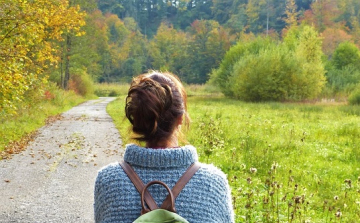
[28, 31]
[207, 46]
[332, 37]
[291, 14]
[167, 49]
[87, 51]
[253, 12]
[325, 12]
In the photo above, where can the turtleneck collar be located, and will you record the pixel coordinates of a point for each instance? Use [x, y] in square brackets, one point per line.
[167, 157]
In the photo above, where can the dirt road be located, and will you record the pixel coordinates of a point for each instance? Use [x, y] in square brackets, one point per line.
[53, 179]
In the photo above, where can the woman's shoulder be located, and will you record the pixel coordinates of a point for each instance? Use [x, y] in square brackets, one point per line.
[110, 171]
[212, 174]
[109, 168]
[211, 169]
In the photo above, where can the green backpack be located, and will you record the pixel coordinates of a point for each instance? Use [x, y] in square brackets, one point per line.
[166, 213]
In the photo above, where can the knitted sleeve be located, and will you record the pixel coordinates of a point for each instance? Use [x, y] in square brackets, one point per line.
[98, 199]
[219, 194]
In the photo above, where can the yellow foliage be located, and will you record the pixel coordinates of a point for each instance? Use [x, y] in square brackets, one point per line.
[27, 35]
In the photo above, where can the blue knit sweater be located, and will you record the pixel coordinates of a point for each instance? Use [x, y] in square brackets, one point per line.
[205, 199]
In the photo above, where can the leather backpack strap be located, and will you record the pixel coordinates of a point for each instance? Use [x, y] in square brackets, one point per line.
[135, 179]
[184, 179]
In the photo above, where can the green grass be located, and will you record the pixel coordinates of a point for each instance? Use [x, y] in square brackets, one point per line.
[285, 162]
[111, 89]
[316, 146]
[33, 115]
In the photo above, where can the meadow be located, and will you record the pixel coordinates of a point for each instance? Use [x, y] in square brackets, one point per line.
[285, 162]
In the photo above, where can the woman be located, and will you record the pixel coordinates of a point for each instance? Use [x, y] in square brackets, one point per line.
[156, 108]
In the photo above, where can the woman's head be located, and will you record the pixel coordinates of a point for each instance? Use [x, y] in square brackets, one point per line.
[155, 106]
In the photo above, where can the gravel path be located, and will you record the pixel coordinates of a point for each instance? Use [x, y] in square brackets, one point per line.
[53, 179]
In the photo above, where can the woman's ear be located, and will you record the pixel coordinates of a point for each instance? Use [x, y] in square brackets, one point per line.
[179, 120]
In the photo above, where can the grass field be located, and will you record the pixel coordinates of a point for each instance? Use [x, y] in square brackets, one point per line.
[285, 162]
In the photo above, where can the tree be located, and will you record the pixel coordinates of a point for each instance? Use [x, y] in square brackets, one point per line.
[168, 49]
[307, 45]
[325, 12]
[209, 43]
[332, 37]
[253, 12]
[221, 10]
[291, 14]
[27, 43]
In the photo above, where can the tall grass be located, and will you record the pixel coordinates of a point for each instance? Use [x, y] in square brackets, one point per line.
[111, 89]
[285, 162]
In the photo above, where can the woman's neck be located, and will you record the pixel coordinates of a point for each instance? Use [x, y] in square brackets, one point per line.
[171, 143]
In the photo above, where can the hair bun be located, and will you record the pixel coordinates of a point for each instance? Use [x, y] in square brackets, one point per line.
[153, 104]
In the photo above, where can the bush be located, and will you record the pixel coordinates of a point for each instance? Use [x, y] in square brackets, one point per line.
[81, 83]
[264, 70]
[220, 77]
[262, 77]
[354, 98]
[343, 80]
[346, 54]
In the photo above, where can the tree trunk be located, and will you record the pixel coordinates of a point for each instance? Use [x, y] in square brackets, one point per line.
[67, 62]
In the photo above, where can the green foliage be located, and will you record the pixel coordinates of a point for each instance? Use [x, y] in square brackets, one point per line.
[354, 98]
[344, 69]
[343, 80]
[264, 77]
[346, 54]
[221, 75]
[205, 50]
[263, 70]
[167, 50]
[81, 83]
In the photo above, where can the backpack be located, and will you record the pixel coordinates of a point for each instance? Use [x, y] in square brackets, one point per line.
[167, 212]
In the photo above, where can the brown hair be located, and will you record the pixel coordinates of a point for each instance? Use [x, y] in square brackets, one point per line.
[154, 103]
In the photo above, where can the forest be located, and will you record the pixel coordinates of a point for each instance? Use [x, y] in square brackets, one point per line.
[312, 46]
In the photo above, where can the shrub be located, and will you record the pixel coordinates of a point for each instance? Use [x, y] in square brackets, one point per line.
[220, 77]
[343, 80]
[264, 70]
[261, 77]
[346, 54]
[81, 83]
[354, 98]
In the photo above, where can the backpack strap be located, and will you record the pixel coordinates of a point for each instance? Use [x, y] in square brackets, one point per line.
[135, 179]
[168, 202]
[172, 199]
[184, 179]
